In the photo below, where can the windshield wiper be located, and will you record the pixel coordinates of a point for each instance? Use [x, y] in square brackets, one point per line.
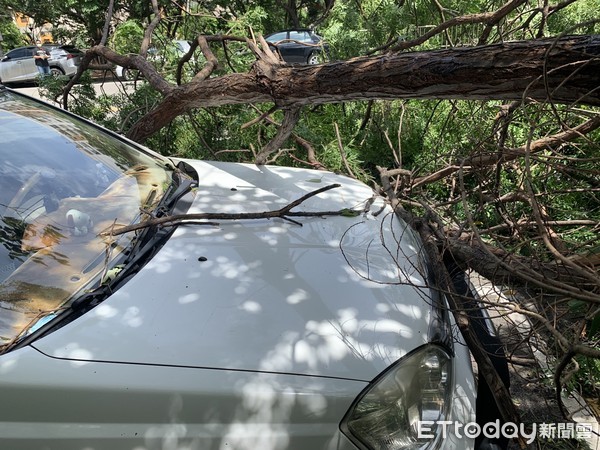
[182, 184]
[148, 241]
[174, 194]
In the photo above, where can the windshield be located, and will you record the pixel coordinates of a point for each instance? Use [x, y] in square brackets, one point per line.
[64, 183]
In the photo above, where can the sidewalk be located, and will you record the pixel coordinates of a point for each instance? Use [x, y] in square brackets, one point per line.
[532, 388]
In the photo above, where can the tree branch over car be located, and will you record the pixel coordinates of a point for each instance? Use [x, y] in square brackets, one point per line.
[530, 70]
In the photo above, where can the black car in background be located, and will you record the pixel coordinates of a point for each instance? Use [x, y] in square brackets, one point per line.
[299, 46]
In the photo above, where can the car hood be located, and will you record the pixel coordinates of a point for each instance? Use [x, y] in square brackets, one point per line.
[333, 296]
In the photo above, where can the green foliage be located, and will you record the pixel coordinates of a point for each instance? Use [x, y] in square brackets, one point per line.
[75, 21]
[587, 379]
[135, 105]
[256, 19]
[82, 100]
[345, 32]
[127, 37]
[11, 36]
[584, 12]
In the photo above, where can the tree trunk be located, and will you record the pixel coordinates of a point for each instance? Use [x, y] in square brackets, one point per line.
[561, 70]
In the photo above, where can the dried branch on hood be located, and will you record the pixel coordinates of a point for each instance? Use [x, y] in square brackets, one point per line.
[282, 213]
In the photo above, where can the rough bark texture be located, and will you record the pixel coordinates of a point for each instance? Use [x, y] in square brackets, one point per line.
[561, 70]
[506, 269]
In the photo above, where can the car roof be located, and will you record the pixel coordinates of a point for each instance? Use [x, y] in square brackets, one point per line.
[60, 46]
[308, 30]
[48, 46]
[295, 29]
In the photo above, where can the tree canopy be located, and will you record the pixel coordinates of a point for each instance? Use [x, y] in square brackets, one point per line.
[478, 120]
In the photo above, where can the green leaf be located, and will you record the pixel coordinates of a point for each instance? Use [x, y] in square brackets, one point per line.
[577, 306]
[112, 274]
[594, 326]
[349, 212]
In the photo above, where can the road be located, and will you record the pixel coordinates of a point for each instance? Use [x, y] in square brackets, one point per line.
[101, 87]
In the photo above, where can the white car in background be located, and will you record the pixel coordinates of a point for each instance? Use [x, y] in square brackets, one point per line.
[18, 65]
[318, 331]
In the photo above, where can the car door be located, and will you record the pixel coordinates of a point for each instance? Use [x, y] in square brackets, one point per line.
[296, 51]
[18, 65]
[291, 52]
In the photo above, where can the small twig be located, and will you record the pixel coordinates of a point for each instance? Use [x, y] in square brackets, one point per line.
[342, 153]
[260, 118]
[108, 252]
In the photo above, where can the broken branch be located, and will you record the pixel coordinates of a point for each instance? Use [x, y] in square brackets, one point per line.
[283, 213]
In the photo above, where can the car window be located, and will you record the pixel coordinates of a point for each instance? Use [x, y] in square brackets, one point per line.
[182, 46]
[70, 49]
[62, 183]
[20, 53]
[277, 37]
[301, 36]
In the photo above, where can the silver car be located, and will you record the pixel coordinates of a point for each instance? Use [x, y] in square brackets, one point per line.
[311, 330]
[18, 65]
[178, 49]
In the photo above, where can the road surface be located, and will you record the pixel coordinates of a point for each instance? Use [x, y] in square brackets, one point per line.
[101, 87]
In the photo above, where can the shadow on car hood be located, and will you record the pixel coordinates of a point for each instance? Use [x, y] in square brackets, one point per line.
[337, 296]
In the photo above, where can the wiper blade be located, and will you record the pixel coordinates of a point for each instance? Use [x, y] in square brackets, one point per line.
[174, 194]
[143, 245]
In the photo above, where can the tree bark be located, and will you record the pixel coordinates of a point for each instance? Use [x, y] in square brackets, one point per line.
[526, 274]
[560, 70]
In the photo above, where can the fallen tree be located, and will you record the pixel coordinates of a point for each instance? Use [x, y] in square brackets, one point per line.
[560, 70]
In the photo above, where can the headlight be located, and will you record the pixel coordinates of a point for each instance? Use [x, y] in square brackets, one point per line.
[417, 388]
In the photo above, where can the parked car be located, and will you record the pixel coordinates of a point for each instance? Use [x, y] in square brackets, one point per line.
[299, 46]
[178, 49]
[299, 332]
[18, 65]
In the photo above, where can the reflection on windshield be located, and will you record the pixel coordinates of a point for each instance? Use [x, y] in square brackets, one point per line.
[62, 183]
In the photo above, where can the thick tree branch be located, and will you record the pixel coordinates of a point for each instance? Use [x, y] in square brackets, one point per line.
[459, 310]
[150, 29]
[138, 62]
[290, 120]
[211, 61]
[503, 268]
[506, 71]
[109, 16]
